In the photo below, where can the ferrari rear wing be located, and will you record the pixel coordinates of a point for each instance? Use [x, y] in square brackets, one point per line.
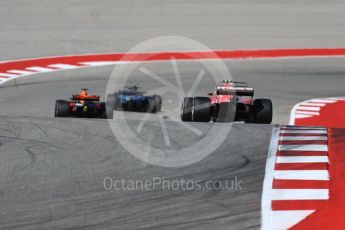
[244, 91]
[239, 91]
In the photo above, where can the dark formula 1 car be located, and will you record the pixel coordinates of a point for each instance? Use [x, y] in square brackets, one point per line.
[232, 101]
[132, 99]
[84, 105]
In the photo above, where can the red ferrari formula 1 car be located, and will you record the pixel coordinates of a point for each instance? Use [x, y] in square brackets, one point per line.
[232, 101]
[84, 105]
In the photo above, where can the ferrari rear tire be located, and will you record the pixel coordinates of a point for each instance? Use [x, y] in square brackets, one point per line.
[201, 109]
[62, 108]
[263, 111]
[187, 109]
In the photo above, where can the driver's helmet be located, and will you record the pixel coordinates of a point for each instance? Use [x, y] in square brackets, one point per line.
[134, 86]
[227, 81]
[83, 93]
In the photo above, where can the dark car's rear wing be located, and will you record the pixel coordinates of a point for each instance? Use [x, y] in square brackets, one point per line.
[88, 98]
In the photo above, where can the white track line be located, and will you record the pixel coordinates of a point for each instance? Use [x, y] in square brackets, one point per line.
[303, 128]
[103, 63]
[65, 66]
[40, 69]
[300, 194]
[312, 104]
[302, 116]
[267, 218]
[323, 100]
[9, 75]
[20, 72]
[286, 219]
[315, 131]
[307, 112]
[301, 174]
[308, 108]
[303, 159]
[303, 138]
[302, 147]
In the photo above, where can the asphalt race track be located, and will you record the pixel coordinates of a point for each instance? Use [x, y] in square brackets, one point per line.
[52, 170]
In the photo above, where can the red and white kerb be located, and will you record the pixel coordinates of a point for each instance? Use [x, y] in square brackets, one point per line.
[299, 181]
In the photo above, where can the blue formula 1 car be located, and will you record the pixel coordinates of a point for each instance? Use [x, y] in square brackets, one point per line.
[131, 99]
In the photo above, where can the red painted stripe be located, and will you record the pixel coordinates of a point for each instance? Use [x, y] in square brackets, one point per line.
[301, 153]
[3, 77]
[278, 205]
[161, 56]
[300, 184]
[302, 142]
[301, 166]
[331, 216]
[331, 115]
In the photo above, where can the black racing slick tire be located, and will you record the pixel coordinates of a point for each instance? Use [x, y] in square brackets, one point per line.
[202, 109]
[103, 112]
[152, 105]
[186, 109]
[158, 100]
[116, 101]
[263, 111]
[108, 112]
[62, 108]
